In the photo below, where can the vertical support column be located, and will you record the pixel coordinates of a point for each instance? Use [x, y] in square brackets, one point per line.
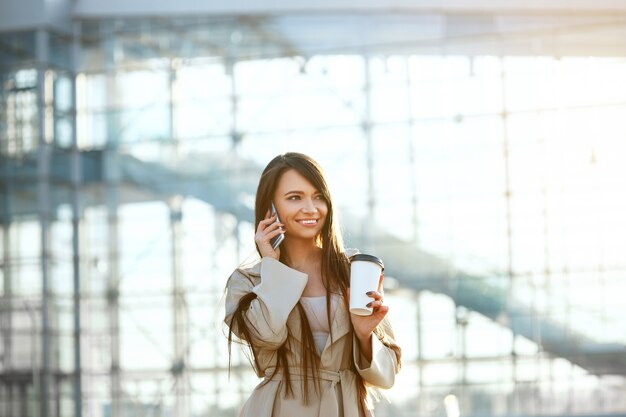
[412, 163]
[76, 215]
[462, 321]
[538, 403]
[229, 67]
[512, 405]
[422, 398]
[10, 409]
[369, 161]
[23, 399]
[57, 396]
[4, 407]
[553, 309]
[172, 103]
[181, 321]
[111, 180]
[6, 302]
[32, 313]
[179, 303]
[217, 236]
[113, 292]
[220, 234]
[43, 201]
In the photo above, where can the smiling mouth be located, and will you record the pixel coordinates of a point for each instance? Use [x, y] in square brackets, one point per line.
[308, 222]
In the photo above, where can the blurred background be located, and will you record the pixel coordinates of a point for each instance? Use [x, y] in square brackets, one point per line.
[476, 146]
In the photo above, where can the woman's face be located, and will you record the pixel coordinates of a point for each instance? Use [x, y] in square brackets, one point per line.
[301, 207]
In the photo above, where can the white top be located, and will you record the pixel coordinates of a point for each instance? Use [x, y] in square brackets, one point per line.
[315, 309]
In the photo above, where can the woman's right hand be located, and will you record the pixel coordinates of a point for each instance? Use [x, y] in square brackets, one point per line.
[267, 229]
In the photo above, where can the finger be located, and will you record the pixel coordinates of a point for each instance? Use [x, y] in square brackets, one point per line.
[269, 230]
[265, 236]
[382, 311]
[380, 281]
[273, 234]
[269, 220]
[374, 294]
[375, 304]
[264, 223]
[272, 227]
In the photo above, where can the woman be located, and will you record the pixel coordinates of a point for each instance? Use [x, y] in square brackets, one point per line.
[291, 307]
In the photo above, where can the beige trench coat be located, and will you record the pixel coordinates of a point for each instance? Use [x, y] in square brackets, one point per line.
[278, 290]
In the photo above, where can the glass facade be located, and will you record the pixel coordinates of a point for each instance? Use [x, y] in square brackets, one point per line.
[130, 152]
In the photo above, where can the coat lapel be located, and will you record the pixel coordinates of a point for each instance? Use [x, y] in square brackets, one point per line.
[340, 325]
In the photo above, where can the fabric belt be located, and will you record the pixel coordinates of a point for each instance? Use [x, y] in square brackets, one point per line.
[329, 402]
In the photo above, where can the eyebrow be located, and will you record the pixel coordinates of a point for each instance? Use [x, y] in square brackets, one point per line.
[299, 192]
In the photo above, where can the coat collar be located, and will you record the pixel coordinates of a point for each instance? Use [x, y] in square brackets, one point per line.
[340, 325]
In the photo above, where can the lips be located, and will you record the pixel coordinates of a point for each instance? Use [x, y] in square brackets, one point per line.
[307, 222]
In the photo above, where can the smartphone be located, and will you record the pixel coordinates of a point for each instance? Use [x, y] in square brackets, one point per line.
[276, 240]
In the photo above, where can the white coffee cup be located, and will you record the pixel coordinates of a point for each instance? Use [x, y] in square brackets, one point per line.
[365, 271]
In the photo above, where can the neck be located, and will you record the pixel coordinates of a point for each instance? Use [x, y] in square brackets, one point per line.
[302, 252]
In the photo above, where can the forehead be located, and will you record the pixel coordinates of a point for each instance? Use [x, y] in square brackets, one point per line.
[292, 180]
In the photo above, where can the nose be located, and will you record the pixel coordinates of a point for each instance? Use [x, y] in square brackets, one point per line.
[309, 206]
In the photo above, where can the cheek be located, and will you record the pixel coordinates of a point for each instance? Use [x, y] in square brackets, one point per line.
[324, 210]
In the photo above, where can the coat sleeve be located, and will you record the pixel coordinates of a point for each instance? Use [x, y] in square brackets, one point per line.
[381, 371]
[277, 294]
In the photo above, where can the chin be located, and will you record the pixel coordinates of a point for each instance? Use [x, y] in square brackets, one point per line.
[307, 236]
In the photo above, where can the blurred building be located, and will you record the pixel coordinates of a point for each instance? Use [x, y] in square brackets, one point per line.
[476, 146]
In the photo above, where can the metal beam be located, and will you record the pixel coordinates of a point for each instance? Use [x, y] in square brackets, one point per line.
[111, 176]
[44, 206]
[76, 175]
[96, 8]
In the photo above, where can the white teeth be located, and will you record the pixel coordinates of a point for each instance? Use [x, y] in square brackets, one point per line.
[308, 221]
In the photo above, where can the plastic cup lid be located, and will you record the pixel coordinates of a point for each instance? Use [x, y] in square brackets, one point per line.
[369, 258]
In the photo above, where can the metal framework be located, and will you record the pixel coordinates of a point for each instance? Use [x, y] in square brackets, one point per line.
[40, 176]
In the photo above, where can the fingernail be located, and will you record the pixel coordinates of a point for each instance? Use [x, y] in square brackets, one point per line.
[368, 305]
[369, 293]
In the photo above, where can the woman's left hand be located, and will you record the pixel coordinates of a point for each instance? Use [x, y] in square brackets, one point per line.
[365, 325]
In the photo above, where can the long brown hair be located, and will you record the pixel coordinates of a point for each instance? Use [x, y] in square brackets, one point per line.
[334, 263]
[335, 269]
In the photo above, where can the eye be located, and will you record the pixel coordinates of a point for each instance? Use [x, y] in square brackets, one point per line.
[320, 197]
[293, 197]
